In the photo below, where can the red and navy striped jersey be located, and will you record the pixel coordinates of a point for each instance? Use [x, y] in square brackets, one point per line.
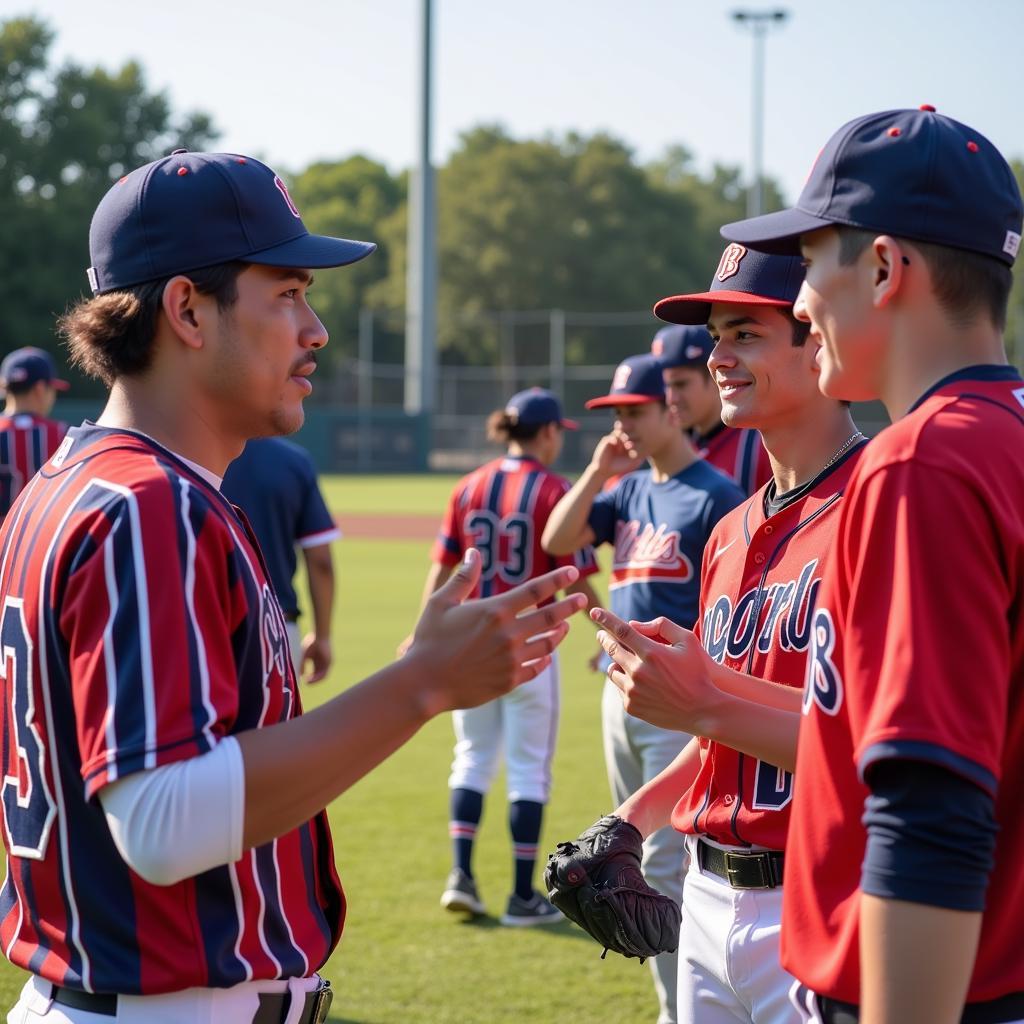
[138, 630]
[759, 580]
[26, 442]
[739, 453]
[501, 509]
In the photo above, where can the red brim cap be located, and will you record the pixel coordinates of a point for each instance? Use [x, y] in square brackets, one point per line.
[696, 308]
[570, 425]
[605, 400]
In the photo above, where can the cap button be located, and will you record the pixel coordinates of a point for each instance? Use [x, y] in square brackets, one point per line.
[175, 152]
[928, 107]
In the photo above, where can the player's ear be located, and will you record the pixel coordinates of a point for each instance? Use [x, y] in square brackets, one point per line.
[181, 305]
[887, 260]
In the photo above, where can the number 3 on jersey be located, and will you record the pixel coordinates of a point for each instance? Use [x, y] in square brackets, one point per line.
[24, 785]
[504, 544]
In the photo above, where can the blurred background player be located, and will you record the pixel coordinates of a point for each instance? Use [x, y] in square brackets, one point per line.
[274, 482]
[731, 790]
[658, 521]
[27, 436]
[501, 510]
[683, 351]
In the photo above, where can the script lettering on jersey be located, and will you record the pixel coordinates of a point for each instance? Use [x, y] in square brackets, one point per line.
[274, 639]
[824, 685]
[648, 552]
[779, 613]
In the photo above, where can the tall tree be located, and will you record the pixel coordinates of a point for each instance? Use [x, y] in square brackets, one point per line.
[65, 135]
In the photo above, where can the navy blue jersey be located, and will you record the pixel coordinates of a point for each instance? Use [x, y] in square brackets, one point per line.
[274, 483]
[659, 531]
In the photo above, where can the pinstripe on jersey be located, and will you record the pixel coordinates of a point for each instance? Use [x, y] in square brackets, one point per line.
[138, 630]
[501, 509]
[26, 442]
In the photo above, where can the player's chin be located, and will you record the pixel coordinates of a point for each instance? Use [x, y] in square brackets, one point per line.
[834, 382]
[287, 419]
[739, 408]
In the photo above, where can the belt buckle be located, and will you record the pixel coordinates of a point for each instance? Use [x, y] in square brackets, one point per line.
[321, 1003]
[760, 859]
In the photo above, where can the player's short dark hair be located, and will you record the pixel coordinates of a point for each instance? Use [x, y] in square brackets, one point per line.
[502, 428]
[965, 283]
[111, 335]
[801, 328]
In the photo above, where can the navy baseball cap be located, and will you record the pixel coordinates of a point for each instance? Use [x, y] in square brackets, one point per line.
[637, 380]
[682, 346]
[537, 407]
[744, 277]
[25, 367]
[911, 173]
[188, 210]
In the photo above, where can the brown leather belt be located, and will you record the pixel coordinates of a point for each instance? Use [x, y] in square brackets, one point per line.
[749, 869]
[273, 1007]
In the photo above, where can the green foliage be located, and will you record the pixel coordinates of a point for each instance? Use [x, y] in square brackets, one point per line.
[65, 135]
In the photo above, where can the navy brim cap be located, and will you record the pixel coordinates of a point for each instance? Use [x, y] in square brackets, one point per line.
[777, 233]
[316, 252]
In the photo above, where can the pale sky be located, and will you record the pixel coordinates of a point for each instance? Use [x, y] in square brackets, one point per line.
[328, 78]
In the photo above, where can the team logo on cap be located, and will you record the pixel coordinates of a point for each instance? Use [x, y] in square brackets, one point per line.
[694, 351]
[283, 189]
[730, 261]
[621, 378]
[657, 347]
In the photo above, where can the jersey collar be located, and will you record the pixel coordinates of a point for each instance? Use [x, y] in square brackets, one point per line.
[987, 372]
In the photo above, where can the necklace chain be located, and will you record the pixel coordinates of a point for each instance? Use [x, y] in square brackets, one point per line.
[845, 446]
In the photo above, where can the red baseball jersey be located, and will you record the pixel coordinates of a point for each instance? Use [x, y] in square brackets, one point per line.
[139, 629]
[759, 581]
[917, 652]
[740, 454]
[501, 510]
[26, 442]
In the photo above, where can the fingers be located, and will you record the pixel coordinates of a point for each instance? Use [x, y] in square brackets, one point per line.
[663, 629]
[538, 590]
[544, 644]
[540, 620]
[462, 582]
[621, 655]
[622, 631]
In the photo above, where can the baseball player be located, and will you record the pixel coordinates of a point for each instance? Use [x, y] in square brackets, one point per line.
[904, 893]
[168, 855]
[658, 521]
[274, 482]
[730, 792]
[27, 436]
[683, 351]
[501, 509]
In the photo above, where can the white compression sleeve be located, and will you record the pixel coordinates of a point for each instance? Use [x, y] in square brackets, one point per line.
[175, 821]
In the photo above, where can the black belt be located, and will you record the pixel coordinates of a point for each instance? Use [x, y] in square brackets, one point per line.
[992, 1011]
[761, 869]
[272, 1010]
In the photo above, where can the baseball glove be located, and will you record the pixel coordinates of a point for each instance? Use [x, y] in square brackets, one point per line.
[596, 882]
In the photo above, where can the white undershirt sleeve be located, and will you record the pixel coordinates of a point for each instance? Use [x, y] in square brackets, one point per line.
[178, 820]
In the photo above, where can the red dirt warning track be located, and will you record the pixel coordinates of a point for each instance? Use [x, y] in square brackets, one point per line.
[388, 527]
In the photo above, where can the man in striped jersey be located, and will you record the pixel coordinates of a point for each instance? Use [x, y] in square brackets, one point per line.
[168, 854]
[27, 436]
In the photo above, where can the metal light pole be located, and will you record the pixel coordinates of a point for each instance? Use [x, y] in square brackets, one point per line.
[421, 273]
[759, 22]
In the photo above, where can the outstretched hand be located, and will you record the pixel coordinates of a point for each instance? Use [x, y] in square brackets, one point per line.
[475, 651]
[661, 670]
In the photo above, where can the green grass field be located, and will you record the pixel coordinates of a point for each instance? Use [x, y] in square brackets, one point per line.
[403, 959]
